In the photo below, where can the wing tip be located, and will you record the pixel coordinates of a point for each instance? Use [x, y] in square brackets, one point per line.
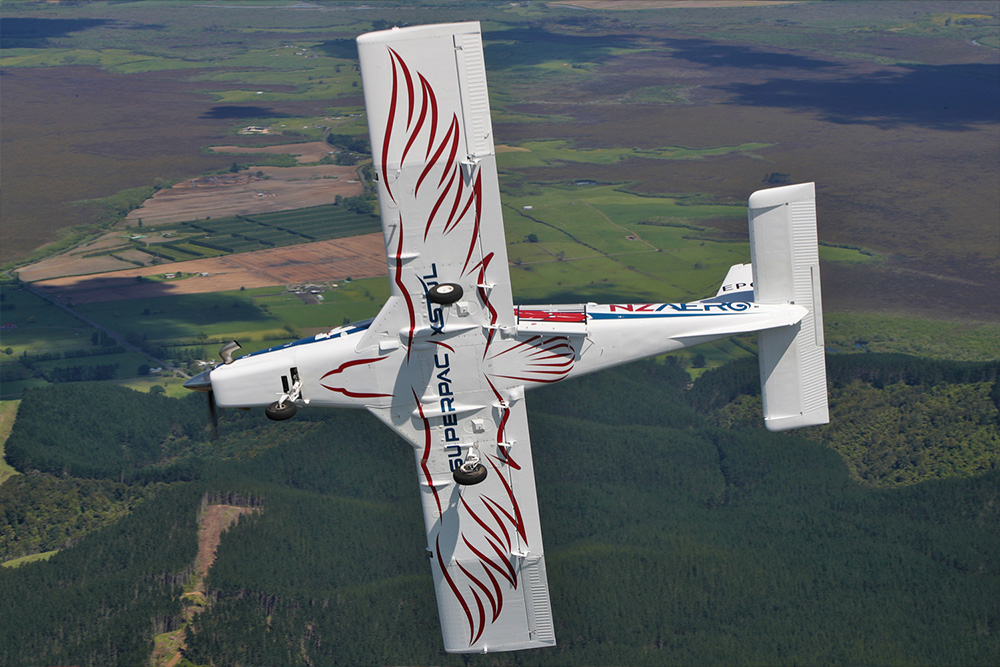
[396, 34]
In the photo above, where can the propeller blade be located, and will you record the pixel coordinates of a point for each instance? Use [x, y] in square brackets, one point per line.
[213, 414]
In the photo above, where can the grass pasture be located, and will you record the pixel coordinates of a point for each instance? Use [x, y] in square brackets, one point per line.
[120, 61]
[848, 332]
[348, 302]
[597, 240]
[183, 317]
[8, 412]
[18, 562]
[172, 386]
[286, 73]
[13, 390]
[32, 324]
[45, 341]
[258, 318]
[546, 153]
[126, 363]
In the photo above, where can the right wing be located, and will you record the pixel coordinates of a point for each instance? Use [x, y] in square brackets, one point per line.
[438, 192]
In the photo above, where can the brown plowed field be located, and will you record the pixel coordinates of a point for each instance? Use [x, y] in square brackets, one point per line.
[311, 151]
[356, 256]
[71, 263]
[244, 193]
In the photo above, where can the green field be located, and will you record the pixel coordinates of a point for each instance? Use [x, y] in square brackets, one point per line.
[633, 137]
[220, 236]
[937, 339]
[567, 243]
[8, 411]
[18, 562]
[194, 326]
[599, 242]
[32, 324]
[181, 329]
[249, 313]
[546, 153]
[115, 60]
[44, 343]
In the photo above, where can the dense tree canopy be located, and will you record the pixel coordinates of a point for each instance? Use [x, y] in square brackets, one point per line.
[669, 540]
[100, 431]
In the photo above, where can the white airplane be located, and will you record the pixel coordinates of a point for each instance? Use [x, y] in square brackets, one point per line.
[448, 360]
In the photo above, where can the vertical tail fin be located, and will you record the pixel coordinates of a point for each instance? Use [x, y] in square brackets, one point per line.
[785, 257]
[738, 286]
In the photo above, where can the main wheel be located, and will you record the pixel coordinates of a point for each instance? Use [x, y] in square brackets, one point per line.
[467, 475]
[280, 412]
[445, 293]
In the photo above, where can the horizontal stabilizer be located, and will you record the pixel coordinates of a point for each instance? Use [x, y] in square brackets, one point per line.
[785, 258]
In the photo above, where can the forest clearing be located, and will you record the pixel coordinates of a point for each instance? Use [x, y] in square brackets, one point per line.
[213, 522]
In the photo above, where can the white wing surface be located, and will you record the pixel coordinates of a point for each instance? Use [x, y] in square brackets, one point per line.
[428, 114]
[432, 143]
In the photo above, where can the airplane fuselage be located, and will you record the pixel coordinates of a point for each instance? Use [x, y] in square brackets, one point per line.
[550, 344]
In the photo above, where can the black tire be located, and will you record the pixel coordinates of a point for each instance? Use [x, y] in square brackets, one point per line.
[445, 293]
[468, 478]
[280, 412]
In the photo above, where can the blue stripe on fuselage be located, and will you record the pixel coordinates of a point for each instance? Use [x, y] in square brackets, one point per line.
[730, 297]
[699, 309]
[643, 316]
[347, 331]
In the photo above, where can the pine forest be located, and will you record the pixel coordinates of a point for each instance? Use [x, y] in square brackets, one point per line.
[677, 530]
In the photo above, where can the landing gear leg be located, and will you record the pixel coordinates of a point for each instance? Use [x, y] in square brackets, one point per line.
[285, 408]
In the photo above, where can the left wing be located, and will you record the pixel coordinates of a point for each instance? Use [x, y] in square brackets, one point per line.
[484, 542]
[432, 143]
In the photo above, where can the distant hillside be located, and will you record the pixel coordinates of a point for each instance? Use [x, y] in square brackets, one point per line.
[670, 541]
